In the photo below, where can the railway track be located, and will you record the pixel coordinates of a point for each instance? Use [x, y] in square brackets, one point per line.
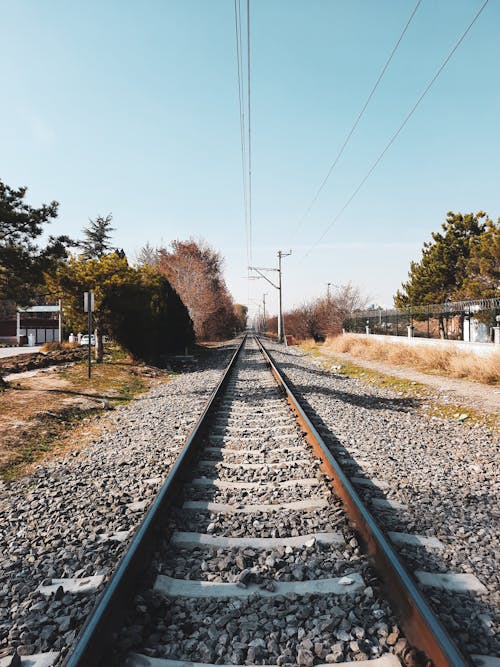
[258, 550]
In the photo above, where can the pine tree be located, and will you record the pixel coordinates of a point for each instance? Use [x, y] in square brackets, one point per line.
[440, 274]
[22, 261]
[96, 243]
[483, 267]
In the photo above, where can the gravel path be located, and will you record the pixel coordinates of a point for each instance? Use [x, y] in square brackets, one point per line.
[445, 472]
[479, 397]
[6, 352]
[73, 516]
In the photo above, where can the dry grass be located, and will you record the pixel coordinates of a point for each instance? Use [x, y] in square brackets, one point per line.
[57, 347]
[45, 413]
[443, 361]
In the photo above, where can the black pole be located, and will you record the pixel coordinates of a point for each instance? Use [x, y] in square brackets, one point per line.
[280, 323]
[89, 321]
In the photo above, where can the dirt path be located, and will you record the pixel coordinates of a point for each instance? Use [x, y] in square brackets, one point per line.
[6, 352]
[48, 409]
[479, 397]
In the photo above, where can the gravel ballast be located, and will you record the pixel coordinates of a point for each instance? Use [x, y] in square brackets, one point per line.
[303, 603]
[445, 471]
[74, 516]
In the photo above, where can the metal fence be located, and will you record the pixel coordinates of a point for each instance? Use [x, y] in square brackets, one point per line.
[458, 320]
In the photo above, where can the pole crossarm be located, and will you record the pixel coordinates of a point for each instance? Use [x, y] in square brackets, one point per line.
[262, 275]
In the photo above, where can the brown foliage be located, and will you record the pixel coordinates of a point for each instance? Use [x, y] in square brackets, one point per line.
[194, 269]
[320, 317]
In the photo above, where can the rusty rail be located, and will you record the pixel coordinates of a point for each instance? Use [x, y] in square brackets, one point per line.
[422, 628]
[95, 640]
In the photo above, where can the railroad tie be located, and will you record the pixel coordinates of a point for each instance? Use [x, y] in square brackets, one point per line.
[228, 508]
[139, 660]
[221, 484]
[187, 539]
[46, 659]
[170, 587]
[207, 463]
[73, 585]
[254, 452]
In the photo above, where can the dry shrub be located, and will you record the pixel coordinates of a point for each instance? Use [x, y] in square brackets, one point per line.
[482, 369]
[56, 347]
[446, 360]
[307, 343]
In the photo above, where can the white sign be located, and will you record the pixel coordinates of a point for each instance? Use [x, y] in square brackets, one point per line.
[86, 302]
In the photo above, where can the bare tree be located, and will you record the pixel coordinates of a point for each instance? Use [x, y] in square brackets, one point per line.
[195, 271]
[148, 256]
[324, 316]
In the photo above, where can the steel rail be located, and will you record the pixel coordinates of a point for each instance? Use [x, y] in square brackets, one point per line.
[422, 628]
[95, 640]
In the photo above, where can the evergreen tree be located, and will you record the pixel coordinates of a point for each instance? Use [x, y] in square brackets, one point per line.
[97, 238]
[137, 306]
[98, 275]
[22, 261]
[440, 274]
[483, 267]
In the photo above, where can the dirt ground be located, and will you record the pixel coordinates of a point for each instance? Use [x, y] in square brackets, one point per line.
[50, 410]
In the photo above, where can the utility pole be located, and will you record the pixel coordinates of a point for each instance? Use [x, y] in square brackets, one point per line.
[280, 320]
[281, 254]
[328, 291]
[89, 328]
[264, 327]
[60, 320]
[88, 307]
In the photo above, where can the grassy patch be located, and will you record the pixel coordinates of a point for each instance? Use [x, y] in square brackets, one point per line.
[43, 436]
[56, 410]
[409, 388]
[463, 414]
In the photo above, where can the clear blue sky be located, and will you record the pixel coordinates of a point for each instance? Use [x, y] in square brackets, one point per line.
[132, 107]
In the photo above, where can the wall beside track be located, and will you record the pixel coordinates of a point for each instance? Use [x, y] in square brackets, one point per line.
[481, 349]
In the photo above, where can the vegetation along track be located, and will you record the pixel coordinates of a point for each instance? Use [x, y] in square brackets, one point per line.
[258, 550]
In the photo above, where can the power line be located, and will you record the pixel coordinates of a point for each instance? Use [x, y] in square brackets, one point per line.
[239, 58]
[358, 118]
[400, 128]
[249, 135]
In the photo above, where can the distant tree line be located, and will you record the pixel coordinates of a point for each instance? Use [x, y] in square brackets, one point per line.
[461, 262]
[154, 307]
[322, 316]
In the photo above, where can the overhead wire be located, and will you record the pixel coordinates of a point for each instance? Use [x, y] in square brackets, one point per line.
[249, 134]
[239, 59]
[400, 128]
[356, 122]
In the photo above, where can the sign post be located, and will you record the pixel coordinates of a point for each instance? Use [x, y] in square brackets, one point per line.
[88, 307]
